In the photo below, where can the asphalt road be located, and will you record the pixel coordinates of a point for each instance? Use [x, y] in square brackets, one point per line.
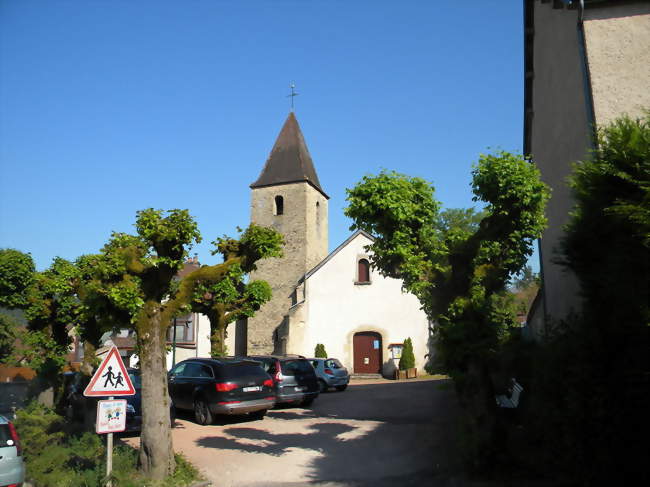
[378, 434]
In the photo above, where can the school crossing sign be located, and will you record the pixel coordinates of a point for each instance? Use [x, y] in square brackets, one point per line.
[111, 378]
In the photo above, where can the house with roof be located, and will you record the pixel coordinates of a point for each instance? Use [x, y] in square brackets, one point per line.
[586, 63]
[336, 299]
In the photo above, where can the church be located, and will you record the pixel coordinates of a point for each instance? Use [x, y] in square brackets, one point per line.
[335, 299]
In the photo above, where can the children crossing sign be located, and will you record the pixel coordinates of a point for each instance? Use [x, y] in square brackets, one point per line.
[111, 378]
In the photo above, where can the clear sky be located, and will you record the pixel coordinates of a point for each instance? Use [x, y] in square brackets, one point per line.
[108, 107]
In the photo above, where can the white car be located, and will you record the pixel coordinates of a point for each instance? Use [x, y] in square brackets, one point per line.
[12, 467]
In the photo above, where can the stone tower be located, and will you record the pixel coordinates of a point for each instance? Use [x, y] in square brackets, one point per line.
[288, 197]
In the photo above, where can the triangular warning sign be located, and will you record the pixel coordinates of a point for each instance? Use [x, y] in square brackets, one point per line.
[111, 378]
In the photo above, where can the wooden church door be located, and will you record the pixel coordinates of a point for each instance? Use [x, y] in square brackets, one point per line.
[367, 353]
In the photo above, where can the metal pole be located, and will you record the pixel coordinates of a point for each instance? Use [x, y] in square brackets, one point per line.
[174, 346]
[109, 456]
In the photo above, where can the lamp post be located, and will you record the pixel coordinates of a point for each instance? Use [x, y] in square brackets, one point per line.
[174, 346]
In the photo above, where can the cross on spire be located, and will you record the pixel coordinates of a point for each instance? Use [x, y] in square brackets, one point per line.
[292, 94]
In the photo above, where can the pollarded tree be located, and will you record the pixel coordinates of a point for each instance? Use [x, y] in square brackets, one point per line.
[134, 285]
[458, 272]
[224, 296]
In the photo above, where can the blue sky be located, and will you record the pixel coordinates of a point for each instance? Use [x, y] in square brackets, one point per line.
[108, 107]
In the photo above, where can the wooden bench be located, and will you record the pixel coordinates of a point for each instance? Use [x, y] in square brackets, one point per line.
[511, 400]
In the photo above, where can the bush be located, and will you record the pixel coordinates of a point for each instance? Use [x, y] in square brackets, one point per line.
[54, 456]
[320, 352]
[407, 360]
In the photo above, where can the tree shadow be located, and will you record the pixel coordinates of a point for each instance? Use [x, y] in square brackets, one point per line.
[397, 433]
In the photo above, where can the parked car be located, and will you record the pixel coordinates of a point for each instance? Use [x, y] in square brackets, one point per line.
[12, 467]
[225, 386]
[330, 373]
[80, 407]
[294, 379]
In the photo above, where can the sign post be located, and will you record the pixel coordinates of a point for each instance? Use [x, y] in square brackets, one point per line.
[110, 379]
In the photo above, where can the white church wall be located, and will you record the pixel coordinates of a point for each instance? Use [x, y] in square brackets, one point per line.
[338, 308]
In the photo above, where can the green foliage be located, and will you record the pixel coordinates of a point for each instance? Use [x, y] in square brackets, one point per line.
[608, 236]
[589, 388]
[221, 292]
[56, 457]
[9, 329]
[457, 266]
[453, 263]
[16, 274]
[407, 360]
[319, 351]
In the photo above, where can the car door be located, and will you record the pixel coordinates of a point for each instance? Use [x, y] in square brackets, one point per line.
[177, 381]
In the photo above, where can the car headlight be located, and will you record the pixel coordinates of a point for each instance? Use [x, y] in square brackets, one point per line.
[130, 409]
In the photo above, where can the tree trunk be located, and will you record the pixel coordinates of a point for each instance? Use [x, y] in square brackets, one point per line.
[218, 336]
[156, 452]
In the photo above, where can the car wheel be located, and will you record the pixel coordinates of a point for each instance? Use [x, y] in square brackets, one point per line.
[322, 386]
[202, 413]
[341, 388]
[259, 414]
[307, 402]
[172, 416]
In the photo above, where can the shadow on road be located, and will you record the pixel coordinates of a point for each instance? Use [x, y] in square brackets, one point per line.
[376, 435]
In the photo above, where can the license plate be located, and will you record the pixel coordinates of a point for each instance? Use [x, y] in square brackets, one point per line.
[300, 389]
[253, 388]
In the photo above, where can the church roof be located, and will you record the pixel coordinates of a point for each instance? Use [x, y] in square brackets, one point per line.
[289, 161]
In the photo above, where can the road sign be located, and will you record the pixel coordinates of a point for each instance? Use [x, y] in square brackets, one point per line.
[111, 416]
[111, 378]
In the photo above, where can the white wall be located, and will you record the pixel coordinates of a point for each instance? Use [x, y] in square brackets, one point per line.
[202, 349]
[336, 308]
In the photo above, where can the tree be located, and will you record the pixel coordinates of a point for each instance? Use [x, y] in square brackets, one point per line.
[407, 360]
[134, 285]
[8, 335]
[16, 275]
[226, 297]
[458, 272]
[319, 351]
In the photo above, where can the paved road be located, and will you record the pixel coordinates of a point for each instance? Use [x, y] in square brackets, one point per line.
[380, 434]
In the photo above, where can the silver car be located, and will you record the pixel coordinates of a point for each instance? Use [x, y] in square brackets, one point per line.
[330, 373]
[12, 468]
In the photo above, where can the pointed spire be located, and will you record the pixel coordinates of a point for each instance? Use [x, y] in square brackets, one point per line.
[289, 161]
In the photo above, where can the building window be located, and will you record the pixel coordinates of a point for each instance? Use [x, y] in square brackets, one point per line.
[279, 205]
[184, 328]
[363, 272]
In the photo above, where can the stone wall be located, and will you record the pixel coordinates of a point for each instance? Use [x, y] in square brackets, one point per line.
[304, 224]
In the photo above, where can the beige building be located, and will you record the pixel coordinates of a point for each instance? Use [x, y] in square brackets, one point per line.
[586, 63]
[361, 317]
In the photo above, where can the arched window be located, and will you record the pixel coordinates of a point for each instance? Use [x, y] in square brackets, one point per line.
[279, 205]
[364, 271]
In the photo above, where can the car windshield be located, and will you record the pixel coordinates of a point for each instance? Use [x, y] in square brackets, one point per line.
[290, 367]
[333, 363]
[135, 379]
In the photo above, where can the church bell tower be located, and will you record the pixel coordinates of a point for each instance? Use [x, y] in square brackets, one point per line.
[288, 197]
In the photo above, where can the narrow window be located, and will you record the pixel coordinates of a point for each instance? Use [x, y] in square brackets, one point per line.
[279, 205]
[364, 271]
